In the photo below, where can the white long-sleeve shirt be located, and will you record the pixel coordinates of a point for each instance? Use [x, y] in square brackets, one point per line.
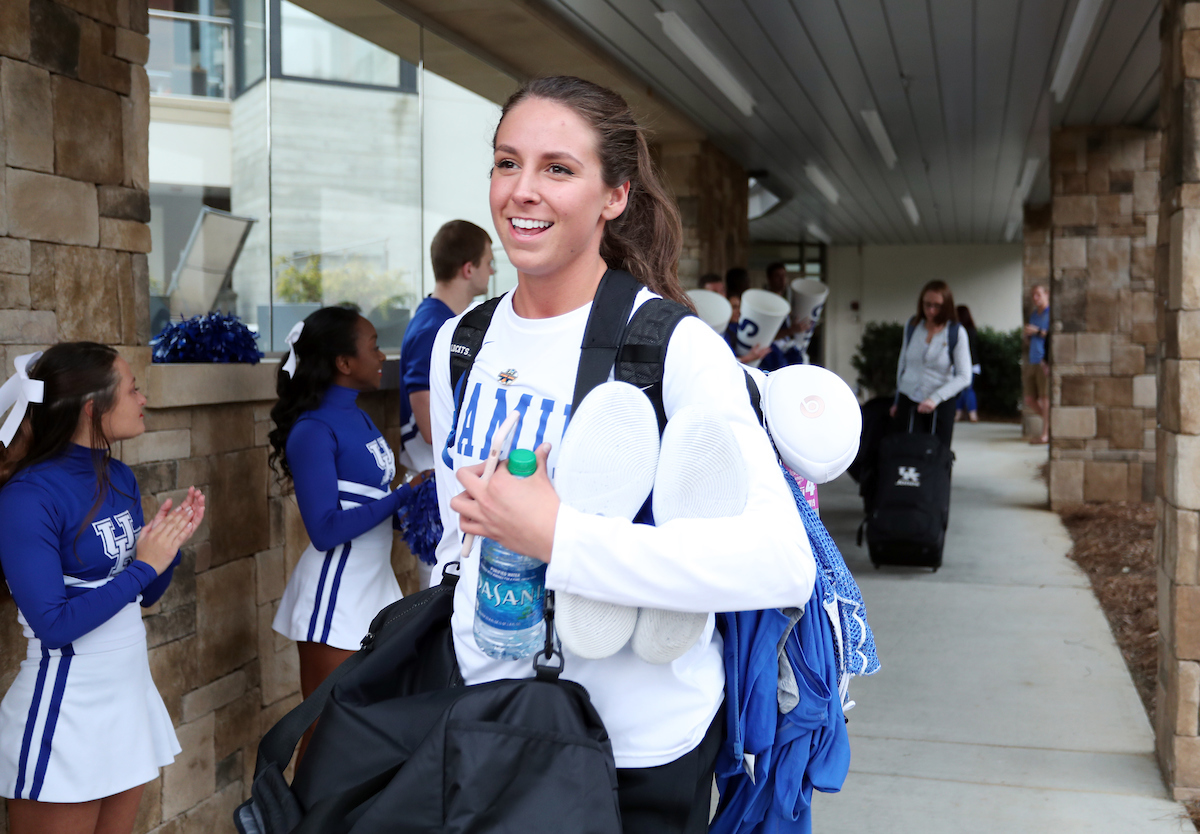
[761, 559]
[925, 370]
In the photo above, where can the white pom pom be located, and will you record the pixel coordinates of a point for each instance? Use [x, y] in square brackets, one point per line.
[814, 419]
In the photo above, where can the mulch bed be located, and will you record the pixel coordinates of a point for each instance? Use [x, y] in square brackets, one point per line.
[1113, 545]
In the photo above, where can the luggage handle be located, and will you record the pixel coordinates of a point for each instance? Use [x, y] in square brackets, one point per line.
[912, 414]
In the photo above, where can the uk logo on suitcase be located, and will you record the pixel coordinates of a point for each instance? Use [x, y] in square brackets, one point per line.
[911, 507]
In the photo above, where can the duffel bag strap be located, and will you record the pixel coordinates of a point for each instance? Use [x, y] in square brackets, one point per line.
[280, 741]
[543, 661]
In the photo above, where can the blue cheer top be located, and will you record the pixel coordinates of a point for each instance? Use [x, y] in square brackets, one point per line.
[342, 469]
[70, 569]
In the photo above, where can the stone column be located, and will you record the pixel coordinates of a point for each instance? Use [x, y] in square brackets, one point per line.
[713, 196]
[1178, 487]
[1104, 224]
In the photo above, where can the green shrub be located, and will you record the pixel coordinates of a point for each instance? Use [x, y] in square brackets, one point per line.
[355, 282]
[877, 357]
[999, 385]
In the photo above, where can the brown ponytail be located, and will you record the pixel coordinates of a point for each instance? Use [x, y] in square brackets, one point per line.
[647, 238]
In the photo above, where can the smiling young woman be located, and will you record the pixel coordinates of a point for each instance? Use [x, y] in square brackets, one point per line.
[82, 728]
[574, 193]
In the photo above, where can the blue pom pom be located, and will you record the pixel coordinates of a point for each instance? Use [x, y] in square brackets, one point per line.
[421, 522]
[213, 337]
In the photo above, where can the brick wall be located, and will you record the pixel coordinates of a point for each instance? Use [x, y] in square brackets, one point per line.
[1104, 228]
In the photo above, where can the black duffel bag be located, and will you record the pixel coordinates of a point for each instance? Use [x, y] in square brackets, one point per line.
[403, 746]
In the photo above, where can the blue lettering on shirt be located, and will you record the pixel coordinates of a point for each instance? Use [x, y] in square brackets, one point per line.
[465, 440]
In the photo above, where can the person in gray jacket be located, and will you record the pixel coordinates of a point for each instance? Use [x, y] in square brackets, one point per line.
[935, 364]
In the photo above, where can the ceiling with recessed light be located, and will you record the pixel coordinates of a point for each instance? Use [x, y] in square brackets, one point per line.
[888, 121]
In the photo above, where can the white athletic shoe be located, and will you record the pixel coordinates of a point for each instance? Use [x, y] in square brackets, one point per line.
[606, 464]
[701, 474]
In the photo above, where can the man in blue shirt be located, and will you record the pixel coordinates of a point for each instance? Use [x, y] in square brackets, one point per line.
[1035, 375]
[462, 265]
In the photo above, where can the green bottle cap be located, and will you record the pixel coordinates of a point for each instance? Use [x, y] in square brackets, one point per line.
[522, 463]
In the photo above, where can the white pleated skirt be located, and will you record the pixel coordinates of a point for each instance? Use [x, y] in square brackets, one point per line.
[85, 721]
[332, 596]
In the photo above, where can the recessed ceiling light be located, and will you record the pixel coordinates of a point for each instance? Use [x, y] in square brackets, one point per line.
[689, 43]
[1078, 34]
[819, 233]
[817, 177]
[880, 135]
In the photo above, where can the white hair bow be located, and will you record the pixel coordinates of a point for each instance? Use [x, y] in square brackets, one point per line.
[17, 393]
[289, 367]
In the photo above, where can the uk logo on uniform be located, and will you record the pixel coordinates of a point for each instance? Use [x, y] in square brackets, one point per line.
[384, 458]
[909, 476]
[116, 543]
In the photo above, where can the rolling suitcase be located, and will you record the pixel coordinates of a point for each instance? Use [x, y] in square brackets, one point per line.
[910, 509]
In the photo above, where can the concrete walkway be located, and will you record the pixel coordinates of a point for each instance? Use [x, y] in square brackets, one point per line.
[1003, 704]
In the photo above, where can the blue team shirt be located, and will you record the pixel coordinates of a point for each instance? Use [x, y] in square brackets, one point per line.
[415, 352]
[342, 469]
[49, 550]
[1037, 344]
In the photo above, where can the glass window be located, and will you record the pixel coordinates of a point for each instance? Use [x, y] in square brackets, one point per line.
[347, 173]
[314, 48]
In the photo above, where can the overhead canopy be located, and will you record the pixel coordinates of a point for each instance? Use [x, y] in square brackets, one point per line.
[962, 89]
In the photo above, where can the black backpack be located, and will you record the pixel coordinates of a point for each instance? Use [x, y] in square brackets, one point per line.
[403, 747]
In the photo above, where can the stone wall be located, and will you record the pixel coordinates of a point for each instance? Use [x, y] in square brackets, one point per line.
[1104, 227]
[1177, 717]
[713, 196]
[74, 206]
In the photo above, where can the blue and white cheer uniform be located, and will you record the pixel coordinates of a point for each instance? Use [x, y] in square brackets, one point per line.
[83, 719]
[342, 469]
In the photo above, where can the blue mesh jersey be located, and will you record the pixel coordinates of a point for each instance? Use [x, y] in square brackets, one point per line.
[70, 572]
[342, 469]
[855, 643]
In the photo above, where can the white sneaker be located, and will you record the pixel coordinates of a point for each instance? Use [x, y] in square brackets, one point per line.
[701, 474]
[606, 464]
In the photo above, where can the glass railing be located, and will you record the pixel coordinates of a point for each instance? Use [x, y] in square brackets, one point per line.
[190, 55]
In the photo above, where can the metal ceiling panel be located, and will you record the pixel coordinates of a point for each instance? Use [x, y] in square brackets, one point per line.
[960, 85]
[955, 62]
[1119, 30]
[1141, 65]
[1038, 29]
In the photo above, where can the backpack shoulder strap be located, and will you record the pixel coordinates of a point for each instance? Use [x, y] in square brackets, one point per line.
[643, 355]
[909, 328]
[468, 338]
[464, 348]
[603, 336]
[952, 339]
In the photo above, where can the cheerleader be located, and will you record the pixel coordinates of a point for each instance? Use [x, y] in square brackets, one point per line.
[342, 470]
[573, 194]
[82, 728]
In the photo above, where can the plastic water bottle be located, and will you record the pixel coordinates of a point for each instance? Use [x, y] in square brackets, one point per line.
[510, 600]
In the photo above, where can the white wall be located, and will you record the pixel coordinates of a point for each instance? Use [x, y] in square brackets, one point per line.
[190, 154]
[885, 281]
